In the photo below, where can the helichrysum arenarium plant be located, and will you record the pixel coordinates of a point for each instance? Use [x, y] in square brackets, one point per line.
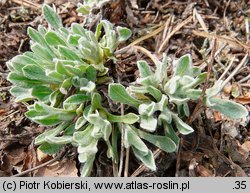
[58, 80]
[162, 103]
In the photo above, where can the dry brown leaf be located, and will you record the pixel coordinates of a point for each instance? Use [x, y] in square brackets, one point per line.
[217, 116]
[227, 89]
[243, 100]
[2, 111]
[246, 146]
[58, 169]
[40, 155]
[235, 150]
[16, 155]
[203, 172]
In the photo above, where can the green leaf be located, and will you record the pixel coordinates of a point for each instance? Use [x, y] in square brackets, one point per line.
[165, 116]
[68, 70]
[80, 123]
[147, 160]
[183, 66]
[150, 80]
[41, 92]
[22, 81]
[144, 69]
[163, 142]
[21, 94]
[194, 94]
[43, 118]
[157, 94]
[229, 108]
[88, 165]
[55, 77]
[18, 62]
[42, 30]
[73, 39]
[42, 52]
[37, 37]
[51, 133]
[147, 109]
[47, 115]
[198, 80]
[91, 73]
[161, 70]
[132, 139]
[69, 131]
[118, 93]
[181, 126]
[73, 101]
[84, 9]
[123, 33]
[177, 100]
[215, 89]
[91, 148]
[50, 149]
[56, 98]
[162, 104]
[100, 124]
[67, 53]
[169, 132]
[89, 87]
[62, 140]
[54, 39]
[52, 17]
[129, 118]
[96, 101]
[84, 137]
[172, 85]
[186, 109]
[34, 72]
[78, 29]
[148, 123]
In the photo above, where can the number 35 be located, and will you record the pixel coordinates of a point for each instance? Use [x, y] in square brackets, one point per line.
[240, 185]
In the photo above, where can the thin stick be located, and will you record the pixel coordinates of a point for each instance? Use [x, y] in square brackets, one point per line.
[199, 102]
[247, 30]
[200, 20]
[114, 163]
[122, 145]
[177, 28]
[38, 167]
[148, 53]
[242, 63]
[229, 40]
[5, 88]
[27, 4]
[9, 115]
[167, 31]
[178, 159]
[147, 36]
[245, 79]
[227, 69]
[126, 162]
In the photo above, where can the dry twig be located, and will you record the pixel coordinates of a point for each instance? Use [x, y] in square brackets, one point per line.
[28, 4]
[177, 28]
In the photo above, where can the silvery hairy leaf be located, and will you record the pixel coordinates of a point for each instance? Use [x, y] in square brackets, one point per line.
[52, 17]
[183, 66]
[118, 93]
[229, 108]
[147, 160]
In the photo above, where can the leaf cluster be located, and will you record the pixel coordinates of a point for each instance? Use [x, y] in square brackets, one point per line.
[58, 80]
